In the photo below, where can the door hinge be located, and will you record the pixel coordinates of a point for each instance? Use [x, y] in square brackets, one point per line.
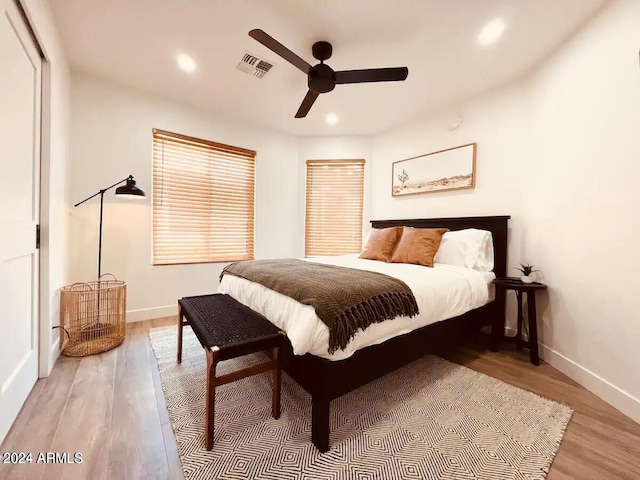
[37, 236]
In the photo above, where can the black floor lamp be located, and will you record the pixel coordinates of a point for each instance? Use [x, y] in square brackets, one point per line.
[129, 189]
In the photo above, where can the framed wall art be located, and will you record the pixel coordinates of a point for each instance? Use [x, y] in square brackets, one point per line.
[450, 169]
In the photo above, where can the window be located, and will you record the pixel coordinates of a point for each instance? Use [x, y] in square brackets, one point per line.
[203, 200]
[333, 221]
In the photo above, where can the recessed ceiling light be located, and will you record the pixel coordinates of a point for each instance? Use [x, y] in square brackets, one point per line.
[186, 63]
[331, 118]
[491, 32]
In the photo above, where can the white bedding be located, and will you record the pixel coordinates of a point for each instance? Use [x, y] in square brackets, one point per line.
[442, 292]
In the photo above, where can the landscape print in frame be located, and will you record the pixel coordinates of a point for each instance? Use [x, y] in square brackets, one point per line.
[445, 170]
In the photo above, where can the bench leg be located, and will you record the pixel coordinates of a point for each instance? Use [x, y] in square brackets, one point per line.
[212, 361]
[277, 375]
[320, 423]
[180, 326]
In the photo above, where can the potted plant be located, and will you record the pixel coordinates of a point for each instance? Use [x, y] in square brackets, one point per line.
[526, 270]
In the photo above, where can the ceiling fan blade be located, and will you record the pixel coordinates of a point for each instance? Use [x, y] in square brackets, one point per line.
[275, 46]
[306, 104]
[395, 74]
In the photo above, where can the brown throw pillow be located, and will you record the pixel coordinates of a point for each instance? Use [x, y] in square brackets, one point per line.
[418, 245]
[381, 243]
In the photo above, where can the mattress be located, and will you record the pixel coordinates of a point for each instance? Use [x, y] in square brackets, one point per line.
[442, 292]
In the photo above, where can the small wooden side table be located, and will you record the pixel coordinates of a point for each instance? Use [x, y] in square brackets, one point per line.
[512, 283]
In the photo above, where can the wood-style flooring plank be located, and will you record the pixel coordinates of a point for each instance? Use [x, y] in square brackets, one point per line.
[36, 425]
[175, 465]
[86, 420]
[153, 362]
[155, 374]
[590, 437]
[171, 446]
[136, 443]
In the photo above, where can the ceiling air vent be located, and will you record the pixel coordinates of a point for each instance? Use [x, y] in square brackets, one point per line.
[254, 65]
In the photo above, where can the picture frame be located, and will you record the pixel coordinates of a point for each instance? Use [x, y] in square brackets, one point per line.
[445, 170]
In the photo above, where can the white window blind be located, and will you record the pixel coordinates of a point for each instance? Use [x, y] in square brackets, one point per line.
[203, 200]
[334, 202]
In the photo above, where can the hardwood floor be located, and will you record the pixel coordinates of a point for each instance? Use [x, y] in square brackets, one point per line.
[110, 408]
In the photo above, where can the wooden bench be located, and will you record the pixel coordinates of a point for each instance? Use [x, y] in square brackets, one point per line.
[227, 329]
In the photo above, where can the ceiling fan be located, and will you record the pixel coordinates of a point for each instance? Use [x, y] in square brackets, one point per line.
[321, 78]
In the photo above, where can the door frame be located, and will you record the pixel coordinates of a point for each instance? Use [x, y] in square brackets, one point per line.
[48, 350]
[48, 343]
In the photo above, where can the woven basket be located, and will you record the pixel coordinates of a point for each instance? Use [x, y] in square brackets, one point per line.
[93, 316]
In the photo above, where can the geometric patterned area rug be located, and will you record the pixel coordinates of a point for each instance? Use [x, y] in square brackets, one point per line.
[431, 419]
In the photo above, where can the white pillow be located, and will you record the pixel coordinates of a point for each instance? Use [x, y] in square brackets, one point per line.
[470, 248]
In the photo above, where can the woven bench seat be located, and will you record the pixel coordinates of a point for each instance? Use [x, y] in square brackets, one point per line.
[227, 329]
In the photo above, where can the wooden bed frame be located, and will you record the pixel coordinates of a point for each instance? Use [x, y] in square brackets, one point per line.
[326, 380]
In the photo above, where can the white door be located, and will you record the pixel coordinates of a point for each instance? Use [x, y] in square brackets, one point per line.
[20, 96]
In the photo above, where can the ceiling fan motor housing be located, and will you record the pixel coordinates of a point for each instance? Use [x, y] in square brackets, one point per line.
[322, 78]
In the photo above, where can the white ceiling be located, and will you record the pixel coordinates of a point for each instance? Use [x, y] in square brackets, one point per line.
[135, 42]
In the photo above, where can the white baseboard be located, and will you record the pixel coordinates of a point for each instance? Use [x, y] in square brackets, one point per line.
[615, 396]
[54, 353]
[149, 313]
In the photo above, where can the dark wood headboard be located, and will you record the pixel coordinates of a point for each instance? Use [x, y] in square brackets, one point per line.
[497, 225]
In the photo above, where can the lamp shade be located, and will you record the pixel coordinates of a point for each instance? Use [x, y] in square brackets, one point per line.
[130, 189]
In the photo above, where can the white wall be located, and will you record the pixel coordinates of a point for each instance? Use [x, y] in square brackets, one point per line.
[582, 204]
[335, 148]
[112, 138]
[559, 152]
[54, 212]
[498, 123]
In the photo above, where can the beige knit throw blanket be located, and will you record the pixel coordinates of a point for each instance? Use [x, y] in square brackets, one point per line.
[345, 299]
